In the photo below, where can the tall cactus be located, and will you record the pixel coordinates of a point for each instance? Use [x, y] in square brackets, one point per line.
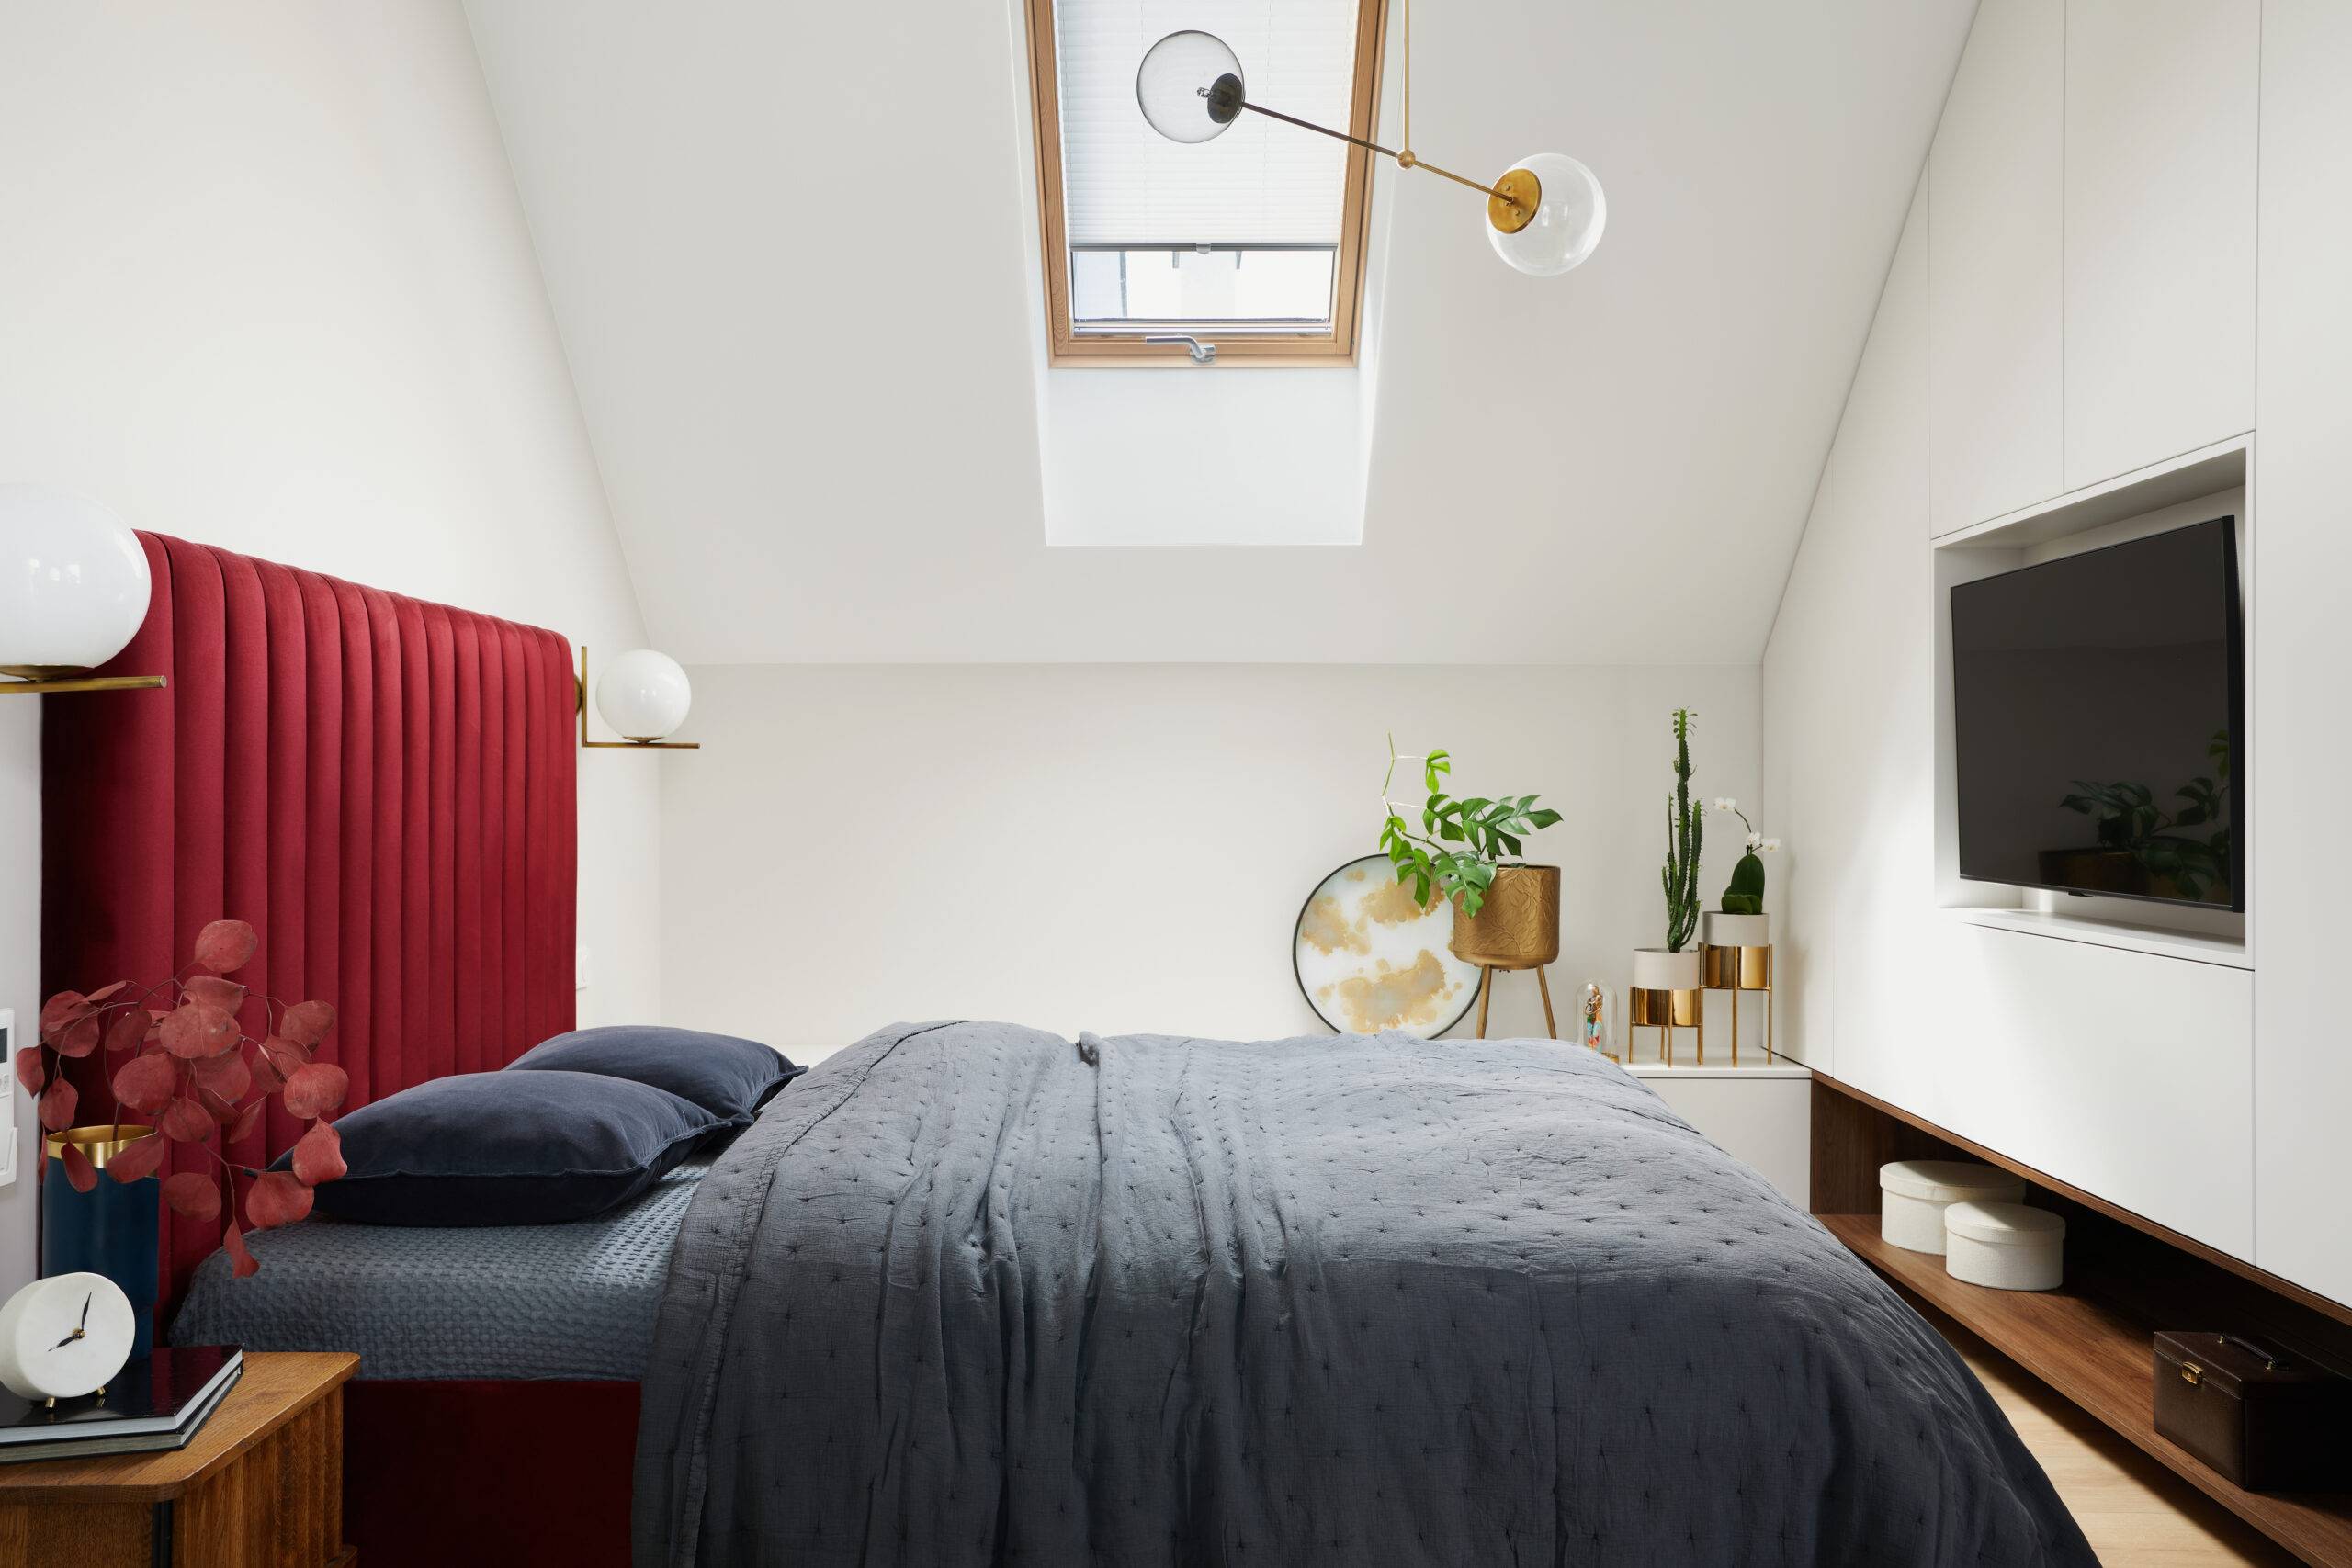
[1684, 830]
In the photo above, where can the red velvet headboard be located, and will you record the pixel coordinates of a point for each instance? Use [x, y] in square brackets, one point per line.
[384, 787]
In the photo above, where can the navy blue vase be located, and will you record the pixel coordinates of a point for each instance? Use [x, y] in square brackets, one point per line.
[111, 1230]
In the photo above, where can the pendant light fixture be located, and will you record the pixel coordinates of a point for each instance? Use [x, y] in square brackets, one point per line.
[1544, 214]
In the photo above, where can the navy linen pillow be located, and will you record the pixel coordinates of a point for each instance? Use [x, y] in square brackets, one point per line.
[507, 1149]
[731, 1079]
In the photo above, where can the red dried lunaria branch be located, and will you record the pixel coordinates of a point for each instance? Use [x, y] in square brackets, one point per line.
[318, 1155]
[137, 1159]
[306, 1023]
[57, 1103]
[214, 992]
[186, 1121]
[192, 1192]
[316, 1089]
[184, 1061]
[147, 1082]
[225, 946]
[242, 1262]
[275, 1198]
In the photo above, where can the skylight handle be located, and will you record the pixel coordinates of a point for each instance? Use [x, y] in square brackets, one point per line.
[1202, 353]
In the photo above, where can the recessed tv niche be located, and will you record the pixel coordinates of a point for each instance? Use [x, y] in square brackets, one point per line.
[2099, 711]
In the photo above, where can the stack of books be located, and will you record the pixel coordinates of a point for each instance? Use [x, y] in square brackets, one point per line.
[153, 1404]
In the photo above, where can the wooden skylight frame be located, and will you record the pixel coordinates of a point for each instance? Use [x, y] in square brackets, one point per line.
[1335, 347]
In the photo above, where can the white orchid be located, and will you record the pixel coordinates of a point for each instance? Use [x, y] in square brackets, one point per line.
[1725, 803]
[1755, 843]
[1771, 846]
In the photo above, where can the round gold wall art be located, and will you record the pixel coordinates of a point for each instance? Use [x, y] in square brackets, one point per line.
[1369, 958]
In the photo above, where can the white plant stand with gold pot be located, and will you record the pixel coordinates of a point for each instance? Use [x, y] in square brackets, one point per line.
[1665, 996]
[1738, 952]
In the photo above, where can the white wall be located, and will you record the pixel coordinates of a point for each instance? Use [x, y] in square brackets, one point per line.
[1127, 847]
[268, 286]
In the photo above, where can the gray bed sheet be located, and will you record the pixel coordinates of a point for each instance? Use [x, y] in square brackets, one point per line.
[975, 1294]
[571, 1301]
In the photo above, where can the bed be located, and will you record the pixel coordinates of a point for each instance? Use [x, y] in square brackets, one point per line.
[967, 1292]
[974, 1293]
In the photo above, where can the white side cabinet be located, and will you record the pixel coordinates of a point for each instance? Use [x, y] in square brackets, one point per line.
[2161, 104]
[1995, 240]
[1759, 1111]
[2302, 748]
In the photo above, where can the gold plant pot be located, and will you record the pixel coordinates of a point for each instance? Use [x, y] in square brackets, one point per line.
[1664, 1010]
[1517, 926]
[1739, 968]
[101, 1142]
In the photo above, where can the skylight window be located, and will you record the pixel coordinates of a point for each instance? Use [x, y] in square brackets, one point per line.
[1252, 241]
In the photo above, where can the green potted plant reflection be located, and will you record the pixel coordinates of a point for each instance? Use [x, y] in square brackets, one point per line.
[2145, 849]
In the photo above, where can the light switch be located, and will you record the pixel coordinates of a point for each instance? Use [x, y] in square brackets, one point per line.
[580, 967]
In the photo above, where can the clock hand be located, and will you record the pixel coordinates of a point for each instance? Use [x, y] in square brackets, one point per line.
[69, 1339]
[85, 1311]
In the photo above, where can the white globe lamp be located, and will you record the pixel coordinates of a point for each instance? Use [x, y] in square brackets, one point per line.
[74, 582]
[644, 695]
[1568, 213]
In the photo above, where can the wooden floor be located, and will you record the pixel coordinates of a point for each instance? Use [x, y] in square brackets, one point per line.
[2136, 1513]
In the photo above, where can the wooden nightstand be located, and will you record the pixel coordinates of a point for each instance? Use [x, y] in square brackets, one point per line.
[260, 1485]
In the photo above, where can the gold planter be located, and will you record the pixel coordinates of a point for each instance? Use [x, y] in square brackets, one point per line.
[1738, 958]
[1665, 1010]
[1741, 968]
[1517, 926]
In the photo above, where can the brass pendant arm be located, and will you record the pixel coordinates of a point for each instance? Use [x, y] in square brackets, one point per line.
[1498, 194]
[1404, 160]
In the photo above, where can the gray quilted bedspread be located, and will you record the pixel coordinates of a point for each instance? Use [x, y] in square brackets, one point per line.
[568, 1300]
[974, 1295]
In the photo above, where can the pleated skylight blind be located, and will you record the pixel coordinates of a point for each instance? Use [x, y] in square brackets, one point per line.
[1261, 183]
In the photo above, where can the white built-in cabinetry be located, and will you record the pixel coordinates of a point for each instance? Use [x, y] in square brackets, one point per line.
[2071, 321]
[2160, 205]
[2302, 718]
[1997, 267]
[2091, 279]
[2126, 1074]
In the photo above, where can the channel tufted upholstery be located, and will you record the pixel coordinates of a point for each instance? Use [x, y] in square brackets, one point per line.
[384, 787]
[965, 1296]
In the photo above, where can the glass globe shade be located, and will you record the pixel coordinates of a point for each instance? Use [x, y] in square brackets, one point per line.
[1569, 215]
[1190, 87]
[72, 580]
[643, 695]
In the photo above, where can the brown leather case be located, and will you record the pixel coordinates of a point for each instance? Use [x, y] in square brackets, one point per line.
[2265, 1420]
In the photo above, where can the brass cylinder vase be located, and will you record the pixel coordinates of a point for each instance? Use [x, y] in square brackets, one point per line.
[1518, 926]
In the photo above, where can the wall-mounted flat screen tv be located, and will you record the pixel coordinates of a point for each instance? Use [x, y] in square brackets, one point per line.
[2098, 715]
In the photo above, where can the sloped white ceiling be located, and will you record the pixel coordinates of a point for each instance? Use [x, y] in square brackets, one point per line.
[790, 251]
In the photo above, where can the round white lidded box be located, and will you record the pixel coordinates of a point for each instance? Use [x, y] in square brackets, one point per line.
[2006, 1245]
[1914, 1193]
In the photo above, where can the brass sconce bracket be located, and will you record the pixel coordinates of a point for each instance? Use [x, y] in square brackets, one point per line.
[54, 679]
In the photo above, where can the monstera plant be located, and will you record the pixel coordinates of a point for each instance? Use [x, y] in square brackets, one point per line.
[1462, 843]
[178, 1051]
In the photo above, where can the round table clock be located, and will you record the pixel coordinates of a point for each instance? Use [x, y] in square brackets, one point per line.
[65, 1337]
